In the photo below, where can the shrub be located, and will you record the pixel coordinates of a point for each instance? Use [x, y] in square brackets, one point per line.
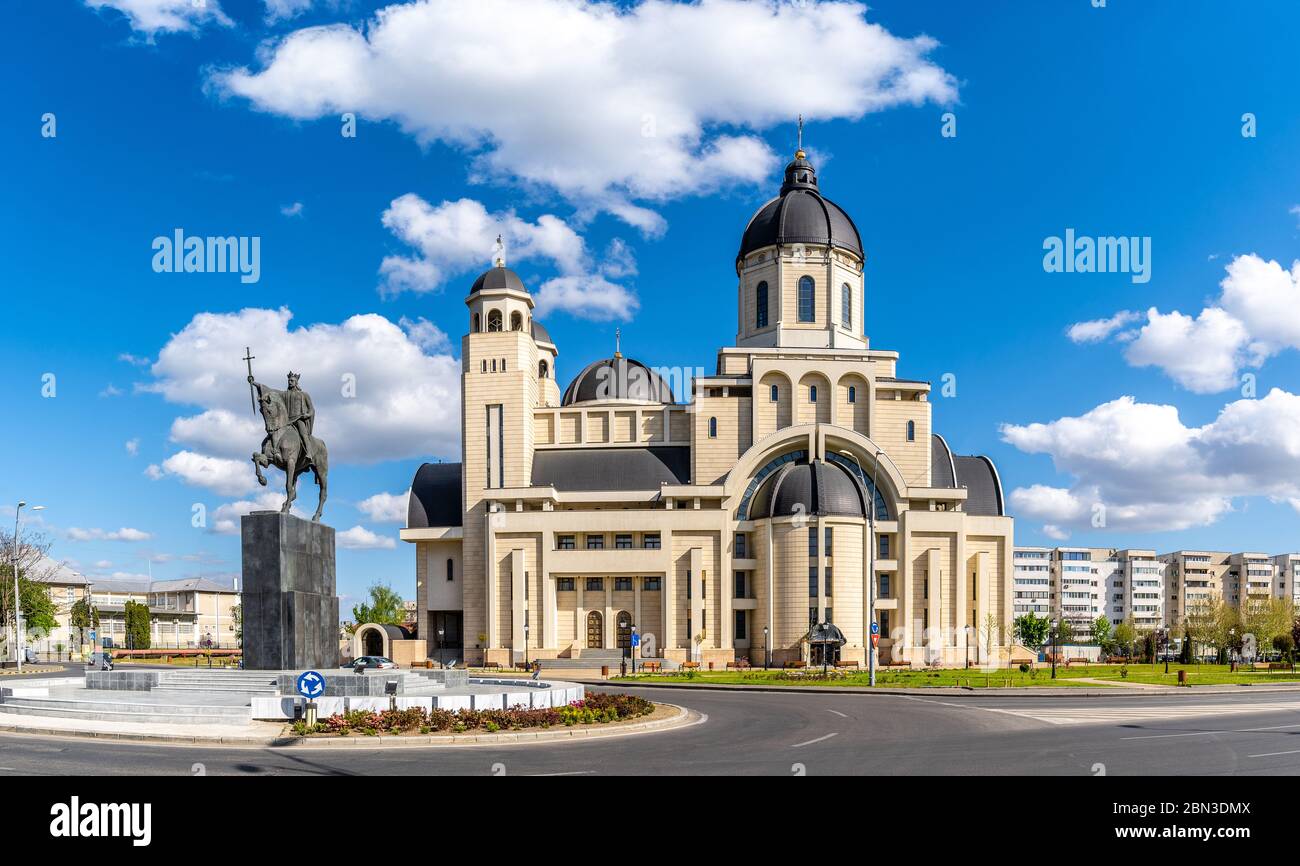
[1024, 668]
[595, 709]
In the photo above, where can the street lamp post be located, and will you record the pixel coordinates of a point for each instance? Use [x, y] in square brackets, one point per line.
[18, 608]
[764, 647]
[633, 646]
[440, 658]
[1055, 632]
[525, 646]
[622, 627]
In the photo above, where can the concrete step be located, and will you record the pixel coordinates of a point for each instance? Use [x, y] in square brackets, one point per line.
[224, 689]
[125, 712]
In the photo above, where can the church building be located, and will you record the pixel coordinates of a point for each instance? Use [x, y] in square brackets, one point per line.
[801, 483]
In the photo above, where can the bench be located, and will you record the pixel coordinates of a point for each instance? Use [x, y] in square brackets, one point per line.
[741, 665]
[651, 667]
[796, 664]
[491, 666]
[424, 664]
[896, 664]
[690, 666]
[852, 664]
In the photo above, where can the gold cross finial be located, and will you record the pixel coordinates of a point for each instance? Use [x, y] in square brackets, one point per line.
[618, 335]
[499, 253]
[798, 153]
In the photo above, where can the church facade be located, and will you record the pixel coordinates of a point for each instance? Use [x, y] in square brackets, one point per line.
[801, 483]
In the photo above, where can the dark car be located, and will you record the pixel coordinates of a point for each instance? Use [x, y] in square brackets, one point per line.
[378, 663]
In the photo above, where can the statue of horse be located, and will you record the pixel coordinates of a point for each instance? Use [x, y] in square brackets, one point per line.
[292, 459]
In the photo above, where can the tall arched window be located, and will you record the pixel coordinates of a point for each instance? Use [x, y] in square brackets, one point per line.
[776, 393]
[846, 306]
[451, 574]
[477, 323]
[516, 321]
[807, 303]
[494, 320]
[812, 393]
[713, 428]
[760, 315]
[542, 369]
[853, 394]
[911, 431]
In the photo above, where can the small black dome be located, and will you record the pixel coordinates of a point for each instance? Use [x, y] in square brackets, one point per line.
[540, 334]
[813, 489]
[498, 278]
[800, 215]
[618, 378]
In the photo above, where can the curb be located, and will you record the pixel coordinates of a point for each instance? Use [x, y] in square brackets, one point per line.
[682, 718]
[963, 692]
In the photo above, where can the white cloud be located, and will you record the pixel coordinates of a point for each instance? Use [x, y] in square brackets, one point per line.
[124, 534]
[1055, 532]
[405, 404]
[385, 507]
[653, 102]
[586, 297]
[1096, 330]
[1148, 471]
[133, 447]
[1256, 316]
[425, 334]
[456, 236]
[360, 538]
[166, 16]
[219, 474]
[292, 210]
[1201, 354]
[103, 564]
[133, 360]
[225, 518]
[282, 10]
[1295, 211]
[111, 390]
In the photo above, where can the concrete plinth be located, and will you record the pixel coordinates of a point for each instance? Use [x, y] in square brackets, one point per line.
[289, 607]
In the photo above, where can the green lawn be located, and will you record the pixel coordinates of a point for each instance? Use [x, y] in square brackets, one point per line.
[974, 678]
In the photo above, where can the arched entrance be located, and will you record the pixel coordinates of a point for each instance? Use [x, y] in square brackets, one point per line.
[372, 642]
[595, 630]
[623, 623]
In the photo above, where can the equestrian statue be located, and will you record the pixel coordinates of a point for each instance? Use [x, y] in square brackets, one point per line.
[289, 444]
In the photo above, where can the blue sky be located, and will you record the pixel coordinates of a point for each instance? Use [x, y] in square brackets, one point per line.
[1123, 120]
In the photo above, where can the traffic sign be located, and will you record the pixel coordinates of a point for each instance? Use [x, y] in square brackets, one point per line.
[310, 684]
[875, 639]
[636, 639]
[875, 628]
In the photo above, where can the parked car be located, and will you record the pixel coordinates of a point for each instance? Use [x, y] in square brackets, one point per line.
[378, 663]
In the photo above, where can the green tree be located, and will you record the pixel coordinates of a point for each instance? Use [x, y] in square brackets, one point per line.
[83, 617]
[385, 606]
[1031, 629]
[1101, 631]
[237, 613]
[1064, 632]
[137, 624]
[1125, 635]
[34, 568]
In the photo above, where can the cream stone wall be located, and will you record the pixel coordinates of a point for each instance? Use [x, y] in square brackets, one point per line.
[713, 457]
[890, 428]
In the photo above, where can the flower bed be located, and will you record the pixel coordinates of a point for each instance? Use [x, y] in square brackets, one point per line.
[595, 709]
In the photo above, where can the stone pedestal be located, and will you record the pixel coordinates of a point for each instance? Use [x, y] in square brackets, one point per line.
[289, 607]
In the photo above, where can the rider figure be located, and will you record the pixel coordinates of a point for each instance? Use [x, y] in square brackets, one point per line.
[302, 415]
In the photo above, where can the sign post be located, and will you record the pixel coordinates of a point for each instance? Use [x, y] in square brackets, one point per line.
[310, 685]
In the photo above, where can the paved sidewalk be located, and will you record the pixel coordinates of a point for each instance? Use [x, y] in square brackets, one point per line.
[1109, 690]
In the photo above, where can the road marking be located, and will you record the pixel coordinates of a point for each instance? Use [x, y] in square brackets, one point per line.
[1084, 715]
[818, 740]
[1211, 733]
[570, 773]
[1271, 754]
[838, 713]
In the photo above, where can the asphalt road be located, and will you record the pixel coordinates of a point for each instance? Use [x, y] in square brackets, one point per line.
[793, 733]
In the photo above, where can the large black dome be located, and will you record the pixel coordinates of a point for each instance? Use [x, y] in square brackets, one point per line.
[617, 378]
[800, 215]
[814, 489]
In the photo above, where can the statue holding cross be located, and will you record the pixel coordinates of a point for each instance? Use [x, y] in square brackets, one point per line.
[290, 444]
